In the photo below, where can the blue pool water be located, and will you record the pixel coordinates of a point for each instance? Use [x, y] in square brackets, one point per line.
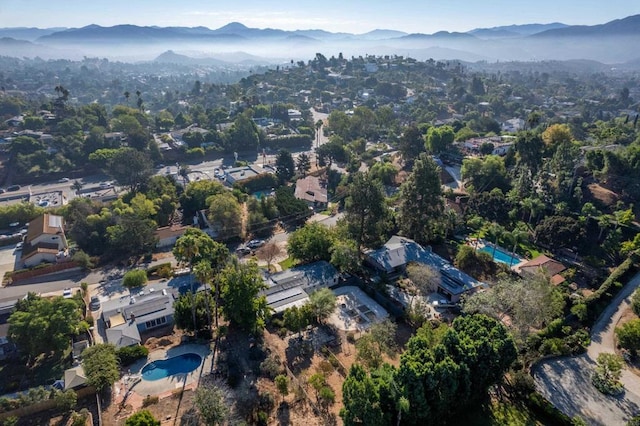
[160, 369]
[501, 256]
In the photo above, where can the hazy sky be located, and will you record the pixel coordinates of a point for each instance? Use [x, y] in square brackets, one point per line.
[354, 16]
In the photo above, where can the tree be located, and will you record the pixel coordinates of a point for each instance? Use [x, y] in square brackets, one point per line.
[311, 243]
[42, 325]
[225, 215]
[282, 384]
[607, 374]
[635, 302]
[439, 139]
[345, 256]
[142, 418]
[196, 195]
[529, 303]
[240, 285]
[131, 235]
[421, 204]
[366, 213]
[130, 168]
[559, 231]
[101, 365]
[66, 400]
[323, 303]
[411, 143]
[629, 335]
[380, 340]
[557, 134]
[285, 166]
[190, 304]
[361, 399]
[269, 252]
[134, 278]
[212, 404]
[303, 164]
[484, 174]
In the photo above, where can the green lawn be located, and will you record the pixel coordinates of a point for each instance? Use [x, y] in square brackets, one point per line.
[498, 413]
[288, 263]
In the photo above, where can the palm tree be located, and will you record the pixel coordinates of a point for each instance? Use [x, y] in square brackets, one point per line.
[516, 236]
[319, 124]
[186, 250]
[76, 186]
[204, 274]
[496, 231]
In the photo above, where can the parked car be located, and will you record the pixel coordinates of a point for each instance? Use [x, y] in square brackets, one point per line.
[19, 246]
[243, 250]
[105, 185]
[94, 304]
[63, 180]
[67, 293]
[13, 188]
[2, 191]
[253, 244]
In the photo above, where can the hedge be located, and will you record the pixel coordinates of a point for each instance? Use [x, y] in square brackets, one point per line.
[600, 299]
[162, 270]
[543, 409]
[130, 354]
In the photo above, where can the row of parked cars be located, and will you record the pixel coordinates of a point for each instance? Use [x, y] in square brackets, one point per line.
[250, 246]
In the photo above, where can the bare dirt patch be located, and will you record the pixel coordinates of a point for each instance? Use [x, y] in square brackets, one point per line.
[602, 195]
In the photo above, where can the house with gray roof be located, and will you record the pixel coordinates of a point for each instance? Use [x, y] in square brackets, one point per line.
[292, 287]
[126, 317]
[394, 256]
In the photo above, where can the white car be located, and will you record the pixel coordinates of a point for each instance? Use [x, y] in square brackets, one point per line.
[105, 185]
[19, 246]
[63, 180]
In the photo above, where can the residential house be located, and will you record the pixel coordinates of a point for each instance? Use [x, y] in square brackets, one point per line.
[513, 125]
[75, 378]
[238, 174]
[542, 264]
[294, 115]
[16, 121]
[126, 317]
[394, 256]
[292, 287]
[168, 235]
[45, 241]
[312, 190]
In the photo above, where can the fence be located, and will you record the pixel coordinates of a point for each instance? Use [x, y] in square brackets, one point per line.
[41, 406]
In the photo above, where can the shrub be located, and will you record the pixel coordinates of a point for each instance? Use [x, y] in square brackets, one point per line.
[66, 400]
[129, 354]
[271, 366]
[599, 300]
[161, 270]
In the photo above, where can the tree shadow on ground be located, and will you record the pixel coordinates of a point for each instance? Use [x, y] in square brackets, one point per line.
[284, 415]
[299, 354]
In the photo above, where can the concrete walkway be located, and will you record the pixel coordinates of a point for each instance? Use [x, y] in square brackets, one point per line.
[566, 382]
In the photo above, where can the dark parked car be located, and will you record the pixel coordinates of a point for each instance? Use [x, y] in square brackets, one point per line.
[94, 305]
[13, 188]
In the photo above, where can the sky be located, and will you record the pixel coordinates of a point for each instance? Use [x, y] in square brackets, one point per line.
[352, 16]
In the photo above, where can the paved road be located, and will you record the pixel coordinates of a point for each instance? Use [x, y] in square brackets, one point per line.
[566, 382]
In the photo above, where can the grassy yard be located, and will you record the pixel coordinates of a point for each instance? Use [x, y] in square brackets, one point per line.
[288, 263]
[499, 413]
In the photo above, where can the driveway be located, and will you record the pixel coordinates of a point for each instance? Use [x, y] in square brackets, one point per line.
[566, 382]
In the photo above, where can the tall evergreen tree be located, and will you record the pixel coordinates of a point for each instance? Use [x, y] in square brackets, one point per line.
[421, 203]
[366, 212]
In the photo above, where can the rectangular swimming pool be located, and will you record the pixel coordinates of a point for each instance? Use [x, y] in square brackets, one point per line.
[502, 256]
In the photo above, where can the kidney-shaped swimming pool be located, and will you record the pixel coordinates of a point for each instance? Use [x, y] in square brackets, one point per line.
[162, 368]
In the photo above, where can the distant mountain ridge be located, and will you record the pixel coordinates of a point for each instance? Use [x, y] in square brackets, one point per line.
[611, 42]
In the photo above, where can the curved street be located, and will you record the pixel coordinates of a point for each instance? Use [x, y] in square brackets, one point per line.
[566, 382]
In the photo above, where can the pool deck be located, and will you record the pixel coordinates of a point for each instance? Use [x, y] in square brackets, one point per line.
[162, 387]
[479, 244]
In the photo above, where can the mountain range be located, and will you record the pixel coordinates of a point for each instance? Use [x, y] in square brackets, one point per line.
[610, 42]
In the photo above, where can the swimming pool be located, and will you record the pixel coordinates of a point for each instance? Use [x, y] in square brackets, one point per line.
[502, 256]
[162, 368]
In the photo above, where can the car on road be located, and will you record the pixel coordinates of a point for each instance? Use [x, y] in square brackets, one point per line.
[63, 180]
[105, 185]
[253, 244]
[67, 293]
[94, 304]
[13, 188]
[19, 246]
[2, 191]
